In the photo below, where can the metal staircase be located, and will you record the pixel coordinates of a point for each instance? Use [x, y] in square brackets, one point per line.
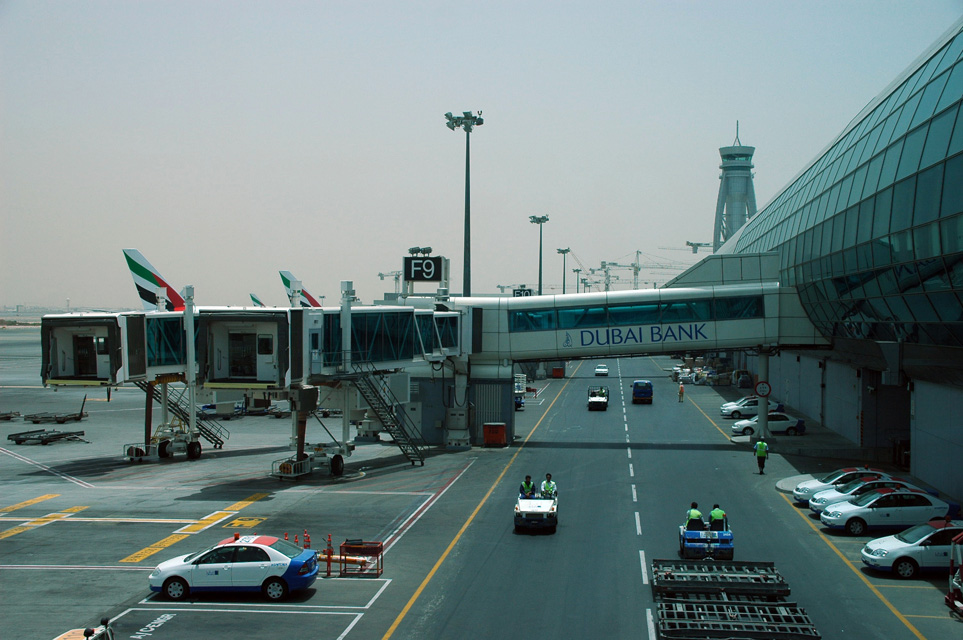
[208, 428]
[382, 401]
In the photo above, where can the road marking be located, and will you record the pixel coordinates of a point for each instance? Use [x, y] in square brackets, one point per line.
[39, 522]
[650, 623]
[237, 506]
[46, 468]
[645, 570]
[464, 527]
[27, 503]
[631, 471]
[635, 498]
[160, 545]
[856, 571]
[638, 524]
[206, 522]
[628, 450]
[244, 523]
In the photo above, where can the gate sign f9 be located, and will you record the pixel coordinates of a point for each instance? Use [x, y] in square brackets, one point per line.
[426, 269]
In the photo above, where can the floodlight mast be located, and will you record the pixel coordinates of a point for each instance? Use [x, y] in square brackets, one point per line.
[564, 253]
[539, 220]
[467, 121]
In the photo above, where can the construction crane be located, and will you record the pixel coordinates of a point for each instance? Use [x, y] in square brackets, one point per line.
[689, 245]
[635, 267]
[397, 277]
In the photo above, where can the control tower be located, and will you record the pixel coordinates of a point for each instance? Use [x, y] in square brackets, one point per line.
[737, 198]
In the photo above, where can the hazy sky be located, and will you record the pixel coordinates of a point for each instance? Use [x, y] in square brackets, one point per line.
[229, 140]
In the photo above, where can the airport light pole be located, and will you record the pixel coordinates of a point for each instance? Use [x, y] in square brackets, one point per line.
[564, 253]
[466, 121]
[576, 272]
[539, 220]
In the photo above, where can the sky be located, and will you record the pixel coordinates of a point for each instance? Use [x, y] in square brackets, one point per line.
[230, 140]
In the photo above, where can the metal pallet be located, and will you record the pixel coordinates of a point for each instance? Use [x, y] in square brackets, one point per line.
[770, 621]
[758, 579]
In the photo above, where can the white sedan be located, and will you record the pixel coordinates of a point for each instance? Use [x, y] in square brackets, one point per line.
[748, 406]
[854, 489]
[805, 490]
[925, 547]
[267, 564]
[884, 508]
[601, 369]
[778, 423]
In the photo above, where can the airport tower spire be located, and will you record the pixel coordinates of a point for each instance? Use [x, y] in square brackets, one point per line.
[737, 198]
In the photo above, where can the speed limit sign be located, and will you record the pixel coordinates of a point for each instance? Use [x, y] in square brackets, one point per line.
[763, 389]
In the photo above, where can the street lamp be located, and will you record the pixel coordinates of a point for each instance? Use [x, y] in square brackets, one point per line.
[466, 121]
[564, 252]
[539, 220]
[576, 271]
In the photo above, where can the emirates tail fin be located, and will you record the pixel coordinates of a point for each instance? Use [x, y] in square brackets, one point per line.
[148, 281]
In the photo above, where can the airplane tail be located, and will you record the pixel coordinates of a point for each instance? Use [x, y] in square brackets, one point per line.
[257, 301]
[147, 280]
[307, 300]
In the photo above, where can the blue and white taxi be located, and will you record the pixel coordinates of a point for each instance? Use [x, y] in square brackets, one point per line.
[856, 488]
[925, 547]
[273, 566]
[805, 490]
[885, 508]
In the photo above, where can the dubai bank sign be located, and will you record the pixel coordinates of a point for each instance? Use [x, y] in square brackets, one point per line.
[651, 334]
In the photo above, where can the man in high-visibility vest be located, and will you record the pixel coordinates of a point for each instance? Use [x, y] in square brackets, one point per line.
[549, 489]
[527, 488]
[717, 519]
[762, 452]
[693, 514]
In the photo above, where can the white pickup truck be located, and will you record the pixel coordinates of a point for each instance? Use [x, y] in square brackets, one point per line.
[536, 513]
[598, 398]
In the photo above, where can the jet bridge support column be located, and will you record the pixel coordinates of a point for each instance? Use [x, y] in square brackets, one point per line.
[764, 400]
[456, 428]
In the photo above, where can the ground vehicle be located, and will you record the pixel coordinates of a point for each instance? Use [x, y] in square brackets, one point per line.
[242, 563]
[806, 489]
[747, 406]
[519, 402]
[853, 489]
[536, 513]
[103, 632]
[925, 547]
[642, 392]
[778, 423]
[696, 540]
[954, 593]
[598, 398]
[601, 369]
[885, 508]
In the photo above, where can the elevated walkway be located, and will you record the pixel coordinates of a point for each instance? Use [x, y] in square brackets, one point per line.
[177, 403]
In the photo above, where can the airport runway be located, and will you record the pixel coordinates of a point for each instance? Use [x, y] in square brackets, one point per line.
[81, 528]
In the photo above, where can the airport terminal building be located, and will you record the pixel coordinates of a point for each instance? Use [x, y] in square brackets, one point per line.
[871, 235]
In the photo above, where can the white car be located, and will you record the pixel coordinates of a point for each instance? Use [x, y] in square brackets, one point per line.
[267, 564]
[925, 547]
[854, 489]
[778, 423]
[805, 490]
[536, 513]
[884, 508]
[601, 369]
[748, 406]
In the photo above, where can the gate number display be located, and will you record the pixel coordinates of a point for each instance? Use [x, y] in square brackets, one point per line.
[423, 269]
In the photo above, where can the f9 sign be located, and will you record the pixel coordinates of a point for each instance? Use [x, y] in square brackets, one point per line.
[423, 269]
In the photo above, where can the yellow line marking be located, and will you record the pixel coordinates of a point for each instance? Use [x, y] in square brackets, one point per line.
[905, 586]
[244, 523]
[464, 527]
[39, 522]
[75, 509]
[859, 573]
[205, 522]
[237, 506]
[157, 546]
[21, 505]
[13, 531]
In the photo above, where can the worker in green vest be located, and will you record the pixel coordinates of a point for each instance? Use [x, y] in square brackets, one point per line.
[693, 515]
[761, 449]
[717, 519]
[549, 489]
[527, 488]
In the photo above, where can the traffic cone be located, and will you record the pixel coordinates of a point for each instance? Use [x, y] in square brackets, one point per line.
[295, 539]
[285, 535]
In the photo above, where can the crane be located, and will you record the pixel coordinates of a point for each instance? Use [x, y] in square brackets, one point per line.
[693, 245]
[635, 267]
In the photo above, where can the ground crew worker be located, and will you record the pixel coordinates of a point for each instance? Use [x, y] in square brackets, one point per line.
[527, 488]
[549, 489]
[681, 392]
[762, 452]
[717, 519]
[693, 514]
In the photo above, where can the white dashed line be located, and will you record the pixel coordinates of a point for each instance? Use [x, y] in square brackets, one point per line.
[631, 471]
[635, 498]
[638, 524]
[645, 571]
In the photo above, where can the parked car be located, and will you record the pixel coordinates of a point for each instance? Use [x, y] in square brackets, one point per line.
[925, 547]
[806, 489]
[601, 369]
[255, 563]
[854, 489]
[778, 423]
[746, 407]
[885, 508]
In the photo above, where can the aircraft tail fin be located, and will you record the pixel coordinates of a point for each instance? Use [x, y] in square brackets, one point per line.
[147, 280]
[307, 300]
[257, 301]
